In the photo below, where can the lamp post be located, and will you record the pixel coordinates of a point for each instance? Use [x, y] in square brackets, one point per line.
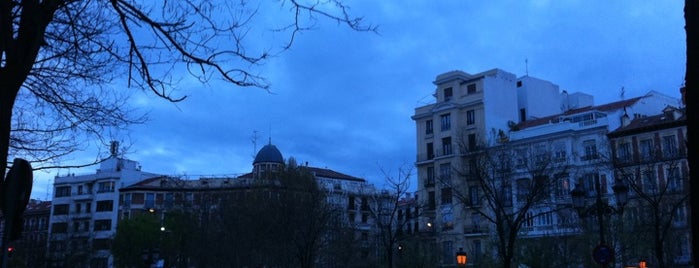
[642, 263]
[461, 257]
[602, 254]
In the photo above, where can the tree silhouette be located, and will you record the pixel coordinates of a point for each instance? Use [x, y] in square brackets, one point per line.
[59, 59]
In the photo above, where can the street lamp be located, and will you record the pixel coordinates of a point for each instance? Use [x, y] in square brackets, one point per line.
[602, 254]
[461, 257]
[642, 263]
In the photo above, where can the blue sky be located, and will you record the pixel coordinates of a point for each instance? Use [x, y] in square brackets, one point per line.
[343, 100]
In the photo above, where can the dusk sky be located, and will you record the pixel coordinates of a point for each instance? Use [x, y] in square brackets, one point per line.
[343, 99]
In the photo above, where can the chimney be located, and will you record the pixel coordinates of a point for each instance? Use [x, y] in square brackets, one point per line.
[625, 120]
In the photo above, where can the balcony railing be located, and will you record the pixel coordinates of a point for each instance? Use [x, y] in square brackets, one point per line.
[475, 229]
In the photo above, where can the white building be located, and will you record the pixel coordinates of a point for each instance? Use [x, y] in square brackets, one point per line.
[84, 212]
[473, 111]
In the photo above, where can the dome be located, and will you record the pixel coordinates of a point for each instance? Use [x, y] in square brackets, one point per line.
[269, 154]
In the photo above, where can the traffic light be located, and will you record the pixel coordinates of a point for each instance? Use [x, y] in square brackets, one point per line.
[10, 250]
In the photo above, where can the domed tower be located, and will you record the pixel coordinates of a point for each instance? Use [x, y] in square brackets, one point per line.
[268, 160]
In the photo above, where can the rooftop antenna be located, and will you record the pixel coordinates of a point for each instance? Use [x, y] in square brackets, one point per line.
[622, 93]
[270, 133]
[48, 188]
[526, 66]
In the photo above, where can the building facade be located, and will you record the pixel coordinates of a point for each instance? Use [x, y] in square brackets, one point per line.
[84, 213]
[650, 155]
[350, 197]
[534, 122]
[30, 249]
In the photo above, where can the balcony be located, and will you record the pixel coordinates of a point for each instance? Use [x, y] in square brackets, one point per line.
[475, 229]
[82, 196]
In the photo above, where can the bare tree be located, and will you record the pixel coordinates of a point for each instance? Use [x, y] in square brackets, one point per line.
[387, 212]
[655, 201]
[513, 187]
[58, 59]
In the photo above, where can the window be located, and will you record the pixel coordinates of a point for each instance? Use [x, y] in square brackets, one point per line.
[470, 117]
[59, 227]
[541, 154]
[590, 147]
[560, 155]
[446, 196]
[105, 186]
[101, 243]
[429, 128]
[105, 205]
[674, 180]
[473, 196]
[472, 142]
[507, 195]
[150, 200]
[646, 149]
[446, 146]
[624, 151]
[62, 191]
[431, 200]
[445, 172]
[446, 121]
[669, 146]
[430, 151]
[448, 94]
[137, 198]
[588, 184]
[649, 183]
[470, 89]
[365, 218]
[522, 115]
[351, 203]
[562, 185]
[430, 176]
[447, 217]
[78, 207]
[60, 209]
[523, 188]
[103, 225]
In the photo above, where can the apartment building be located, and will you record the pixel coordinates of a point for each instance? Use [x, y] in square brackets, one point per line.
[30, 249]
[528, 116]
[650, 154]
[84, 212]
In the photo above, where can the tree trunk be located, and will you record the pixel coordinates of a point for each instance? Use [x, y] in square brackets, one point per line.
[8, 94]
[691, 16]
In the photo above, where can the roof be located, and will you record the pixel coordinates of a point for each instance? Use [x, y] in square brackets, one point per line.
[269, 154]
[165, 183]
[603, 108]
[667, 119]
[320, 172]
